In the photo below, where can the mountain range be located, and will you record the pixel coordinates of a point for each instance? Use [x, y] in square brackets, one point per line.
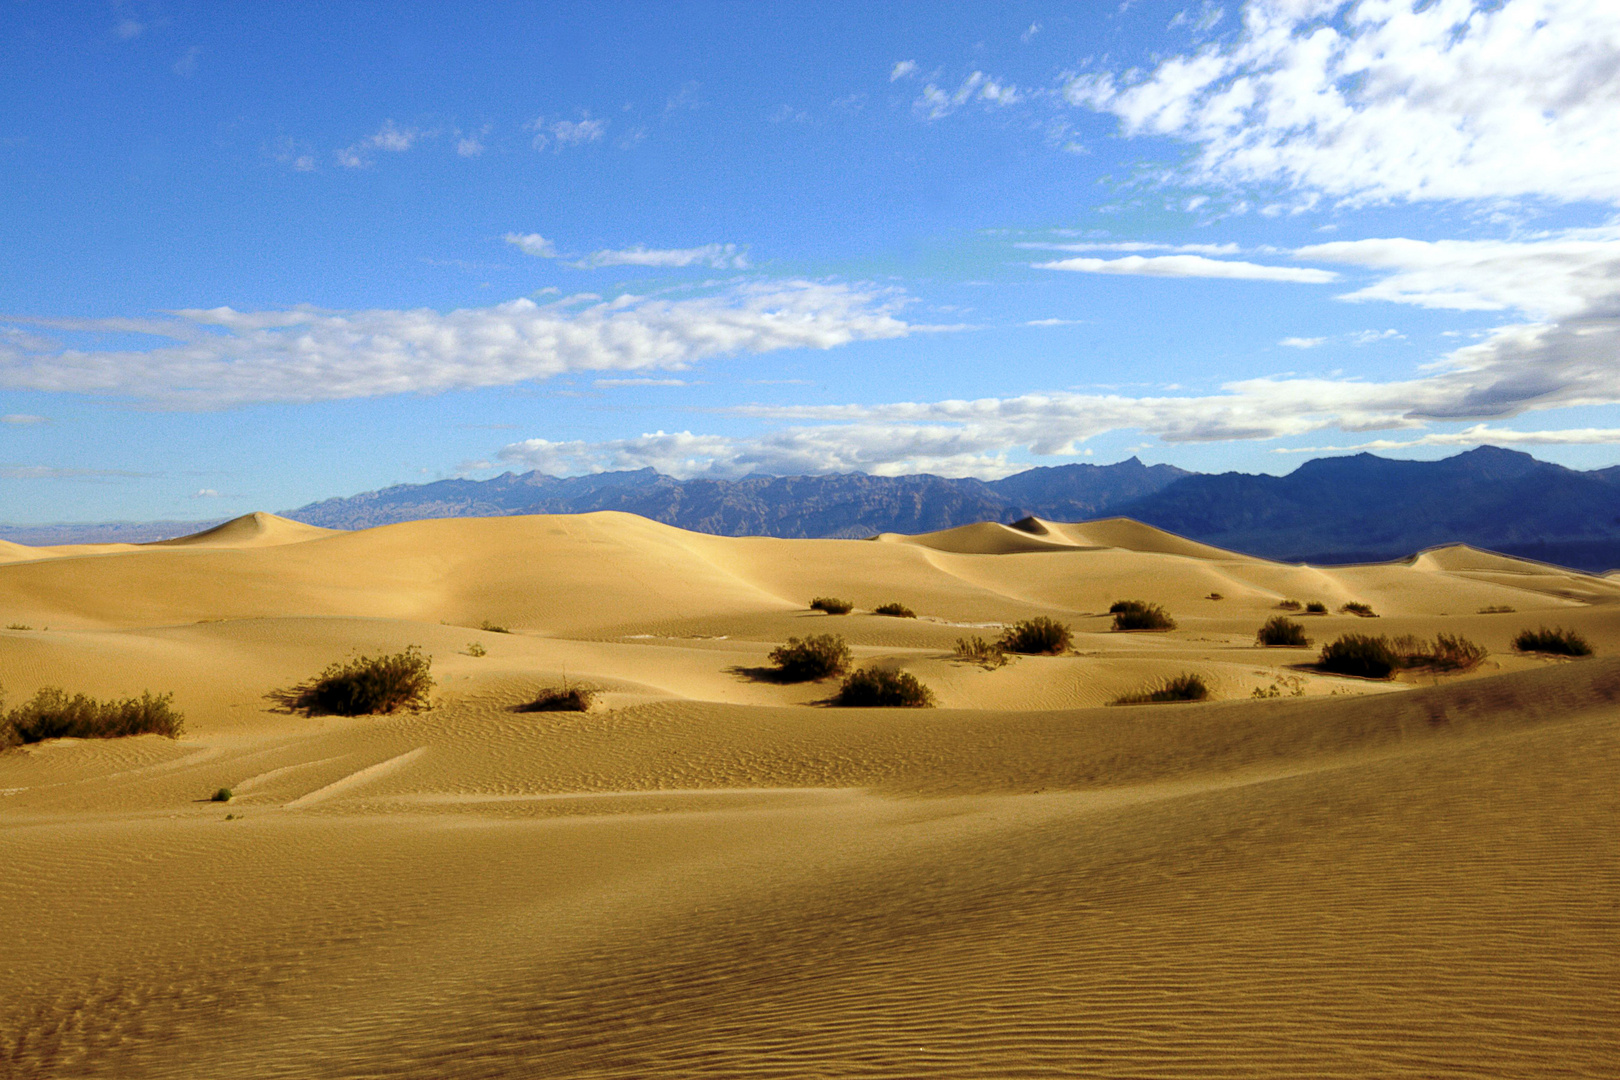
[1359, 508]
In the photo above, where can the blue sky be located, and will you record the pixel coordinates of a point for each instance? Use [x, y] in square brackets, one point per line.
[257, 255]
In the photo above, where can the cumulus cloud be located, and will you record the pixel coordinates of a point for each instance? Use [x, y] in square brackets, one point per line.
[532, 244]
[567, 132]
[936, 103]
[901, 69]
[1191, 266]
[222, 357]
[716, 256]
[390, 138]
[1387, 100]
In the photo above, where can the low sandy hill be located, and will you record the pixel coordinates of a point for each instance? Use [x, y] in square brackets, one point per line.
[257, 529]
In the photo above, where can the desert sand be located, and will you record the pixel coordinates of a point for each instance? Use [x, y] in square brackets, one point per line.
[713, 874]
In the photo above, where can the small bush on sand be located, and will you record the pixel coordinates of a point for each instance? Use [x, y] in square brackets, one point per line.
[1283, 633]
[874, 687]
[831, 605]
[222, 795]
[1316, 607]
[1447, 652]
[368, 685]
[1360, 655]
[976, 650]
[1037, 635]
[1557, 641]
[1497, 609]
[1355, 607]
[560, 699]
[493, 628]
[818, 656]
[1185, 687]
[1214, 596]
[899, 611]
[51, 714]
[1289, 605]
[475, 649]
[1143, 616]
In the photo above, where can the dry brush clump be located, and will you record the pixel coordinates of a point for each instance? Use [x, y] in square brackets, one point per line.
[1316, 607]
[1447, 652]
[1356, 607]
[977, 650]
[1184, 687]
[818, 656]
[369, 685]
[1289, 605]
[1281, 632]
[52, 714]
[561, 699]
[1140, 615]
[898, 611]
[831, 605]
[1039, 635]
[1360, 655]
[881, 688]
[1557, 641]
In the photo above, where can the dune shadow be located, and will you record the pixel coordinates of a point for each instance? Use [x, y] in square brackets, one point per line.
[293, 699]
[775, 676]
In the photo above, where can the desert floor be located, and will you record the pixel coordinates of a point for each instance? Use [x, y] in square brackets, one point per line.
[712, 874]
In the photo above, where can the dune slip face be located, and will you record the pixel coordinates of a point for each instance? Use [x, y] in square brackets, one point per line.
[711, 871]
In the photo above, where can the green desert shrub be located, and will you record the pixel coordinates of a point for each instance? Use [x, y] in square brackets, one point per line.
[873, 687]
[1355, 607]
[1289, 605]
[899, 611]
[1316, 607]
[816, 657]
[1142, 616]
[976, 650]
[51, 714]
[560, 699]
[1037, 635]
[1361, 655]
[370, 684]
[1558, 641]
[1282, 632]
[1447, 652]
[222, 795]
[831, 605]
[1184, 687]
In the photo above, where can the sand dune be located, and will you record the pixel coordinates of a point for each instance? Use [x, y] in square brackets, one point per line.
[713, 874]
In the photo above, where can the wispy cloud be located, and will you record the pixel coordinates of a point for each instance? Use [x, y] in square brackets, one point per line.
[715, 256]
[565, 133]
[1192, 266]
[186, 66]
[1381, 101]
[532, 244]
[611, 383]
[391, 137]
[901, 69]
[1302, 342]
[23, 419]
[129, 29]
[222, 357]
[936, 103]
[471, 143]
[1477, 435]
[52, 472]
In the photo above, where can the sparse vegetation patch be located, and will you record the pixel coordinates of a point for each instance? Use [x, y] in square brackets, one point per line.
[1355, 607]
[898, 611]
[492, 628]
[369, 685]
[1497, 609]
[976, 650]
[1360, 655]
[1214, 596]
[831, 605]
[1316, 607]
[818, 656]
[877, 687]
[475, 649]
[1184, 687]
[52, 714]
[222, 795]
[1447, 652]
[1289, 605]
[561, 699]
[1035, 636]
[1143, 616]
[1557, 641]
[1281, 632]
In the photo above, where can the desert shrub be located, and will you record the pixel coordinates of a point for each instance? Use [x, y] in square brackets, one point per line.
[1214, 596]
[976, 650]
[899, 611]
[1558, 641]
[1282, 632]
[1447, 652]
[493, 628]
[1497, 609]
[1356, 607]
[1316, 607]
[1143, 617]
[871, 687]
[222, 795]
[1184, 687]
[816, 657]
[1361, 655]
[18, 626]
[561, 699]
[475, 649]
[1037, 635]
[51, 714]
[1289, 605]
[831, 605]
[370, 684]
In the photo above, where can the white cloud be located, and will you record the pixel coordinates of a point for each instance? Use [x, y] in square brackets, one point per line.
[1388, 100]
[1474, 436]
[1029, 35]
[935, 103]
[717, 256]
[471, 143]
[128, 29]
[390, 137]
[52, 472]
[1302, 342]
[1055, 322]
[607, 384]
[532, 244]
[902, 69]
[205, 493]
[1192, 266]
[1368, 337]
[567, 132]
[23, 419]
[1131, 245]
[221, 357]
